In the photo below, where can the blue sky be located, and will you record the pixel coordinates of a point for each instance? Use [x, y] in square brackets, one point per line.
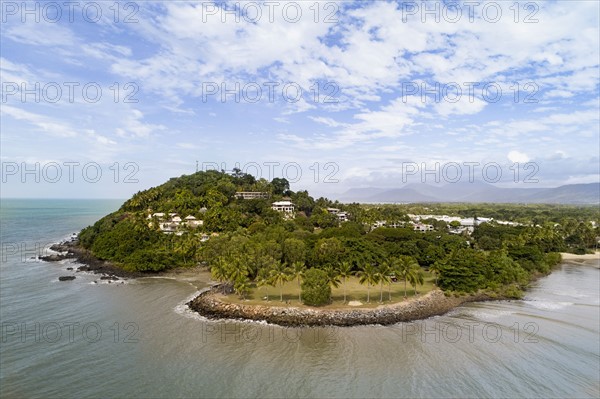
[353, 93]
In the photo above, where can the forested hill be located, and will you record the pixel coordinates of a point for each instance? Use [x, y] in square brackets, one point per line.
[145, 234]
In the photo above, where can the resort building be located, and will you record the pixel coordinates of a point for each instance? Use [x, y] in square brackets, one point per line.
[379, 223]
[192, 222]
[251, 195]
[158, 215]
[395, 225]
[386, 223]
[342, 216]
[283, 206]
[173, 223]
[422, 227]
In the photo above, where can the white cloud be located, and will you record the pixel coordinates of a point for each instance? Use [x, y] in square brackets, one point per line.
[134, 127]
[517, 156]
[45, 124]
[40, 33]
[187, 146]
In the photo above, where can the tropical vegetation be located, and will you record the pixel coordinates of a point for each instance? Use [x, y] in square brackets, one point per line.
[249, 247]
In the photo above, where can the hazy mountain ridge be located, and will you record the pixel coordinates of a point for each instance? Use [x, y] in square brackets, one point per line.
[477, 192]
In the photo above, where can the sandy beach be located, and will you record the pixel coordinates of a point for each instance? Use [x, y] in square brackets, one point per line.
[587, 259]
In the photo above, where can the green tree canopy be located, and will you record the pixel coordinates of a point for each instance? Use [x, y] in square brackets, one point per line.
[316, 290]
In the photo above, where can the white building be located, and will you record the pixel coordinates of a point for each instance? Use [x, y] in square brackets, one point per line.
[283, 206]
[341, 215]
[172, 223]
[251, 195]
[422, 227]
[379, 223]
[192, 222]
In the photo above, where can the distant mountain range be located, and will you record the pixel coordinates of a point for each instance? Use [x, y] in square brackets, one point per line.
[476, 192]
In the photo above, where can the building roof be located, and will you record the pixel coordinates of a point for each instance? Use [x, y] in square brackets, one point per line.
[283, 203]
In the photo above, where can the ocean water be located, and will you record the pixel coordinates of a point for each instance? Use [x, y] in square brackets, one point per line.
[91, 338]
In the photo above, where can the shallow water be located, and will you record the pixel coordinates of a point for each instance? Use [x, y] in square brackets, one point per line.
[80, 339]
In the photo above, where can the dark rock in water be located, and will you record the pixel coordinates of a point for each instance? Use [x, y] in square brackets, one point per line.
[66, 278]
[69, 268]
[51, 258]
[83, 269]
[114, 278]
[57, 257]
[62, 247]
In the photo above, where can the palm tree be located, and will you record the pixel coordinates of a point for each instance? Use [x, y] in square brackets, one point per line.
[184, 246]
[405, 269]
[265, 279]
[238, 269]
[368, 275]
[435, 268]
[281, 274]
[416, 277]
[392, 266]
[345, 271]
[242, 286]
[383, 275]
[333, 277]
[218, 270]
[298, 269]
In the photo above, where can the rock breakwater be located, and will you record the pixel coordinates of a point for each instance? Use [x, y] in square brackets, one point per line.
[209, 305]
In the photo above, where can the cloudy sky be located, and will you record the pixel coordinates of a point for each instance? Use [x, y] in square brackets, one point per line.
[102, 99]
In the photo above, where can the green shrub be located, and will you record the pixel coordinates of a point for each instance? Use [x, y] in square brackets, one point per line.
[513, 291]
[315, 288]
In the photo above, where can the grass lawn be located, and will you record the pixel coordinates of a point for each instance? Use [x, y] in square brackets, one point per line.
[354, 292]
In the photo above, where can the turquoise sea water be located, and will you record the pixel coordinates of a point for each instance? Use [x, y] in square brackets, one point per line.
[138, 339]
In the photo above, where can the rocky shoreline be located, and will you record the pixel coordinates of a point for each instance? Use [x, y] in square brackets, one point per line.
[435, 303]
[72, 250]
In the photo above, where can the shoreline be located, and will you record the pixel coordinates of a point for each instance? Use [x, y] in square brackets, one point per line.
[72, 250]
[574, 259]
[434, 303]
[209, 304]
